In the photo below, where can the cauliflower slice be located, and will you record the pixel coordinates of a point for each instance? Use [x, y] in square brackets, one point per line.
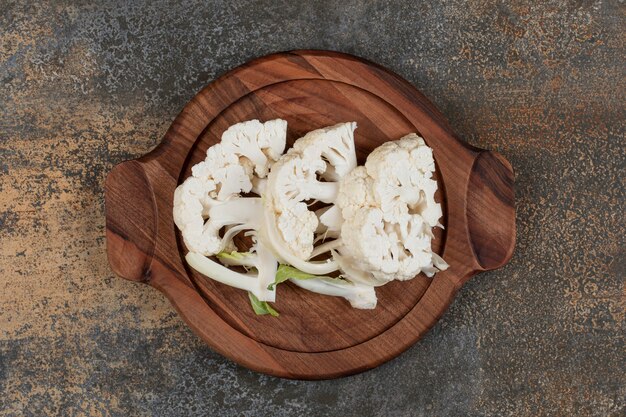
[199, 216]
[210, 200]
[388, 209]
[296, 178]
[379, 222]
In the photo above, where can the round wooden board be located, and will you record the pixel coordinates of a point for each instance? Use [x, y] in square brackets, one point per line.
[315, 336]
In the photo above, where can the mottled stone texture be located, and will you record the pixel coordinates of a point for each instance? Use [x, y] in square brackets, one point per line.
[86, 86]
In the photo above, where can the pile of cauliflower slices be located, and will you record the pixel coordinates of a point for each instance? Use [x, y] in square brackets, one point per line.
[310, 215]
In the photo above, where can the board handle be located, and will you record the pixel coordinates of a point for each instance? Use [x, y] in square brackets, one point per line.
[490, 210]
[131, 225]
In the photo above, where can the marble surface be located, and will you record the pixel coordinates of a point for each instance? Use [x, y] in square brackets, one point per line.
[86, 86]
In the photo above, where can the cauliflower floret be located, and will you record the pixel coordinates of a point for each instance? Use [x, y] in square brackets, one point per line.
[386, 250]
[402, 171]
[366, 241]
[192, 202]
[228, 170]
[215, 185]
[333, 144]
[388, 210]
[260, 144]
[224, 170]
[293, 178]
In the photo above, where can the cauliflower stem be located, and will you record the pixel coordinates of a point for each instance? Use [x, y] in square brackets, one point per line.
[358, 295]
[256, 283]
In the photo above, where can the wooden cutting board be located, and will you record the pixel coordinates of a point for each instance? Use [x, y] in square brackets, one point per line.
[315, 336]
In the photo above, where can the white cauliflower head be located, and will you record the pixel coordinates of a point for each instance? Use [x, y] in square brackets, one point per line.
[388, 210]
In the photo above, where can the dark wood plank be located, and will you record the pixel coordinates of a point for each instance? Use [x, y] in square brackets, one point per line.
[316, 336]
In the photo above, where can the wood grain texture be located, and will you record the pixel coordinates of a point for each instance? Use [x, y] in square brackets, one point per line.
[315, 337]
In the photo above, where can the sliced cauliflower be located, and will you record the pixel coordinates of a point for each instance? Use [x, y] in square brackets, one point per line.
[388, 209]
[378, 226]
[210, 200]
[308, 172]
[242, 157]
[200, 216]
